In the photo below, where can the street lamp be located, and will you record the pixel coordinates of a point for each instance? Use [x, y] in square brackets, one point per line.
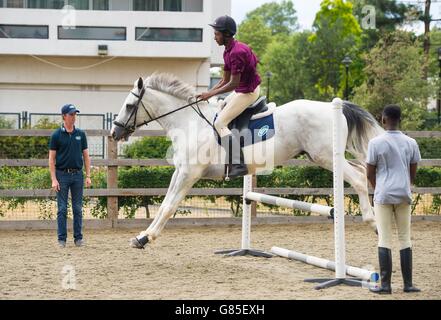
[438, 100]
[347, 62]
[268, 76]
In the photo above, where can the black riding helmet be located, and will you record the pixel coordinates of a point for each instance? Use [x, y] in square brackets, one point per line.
[225, 24]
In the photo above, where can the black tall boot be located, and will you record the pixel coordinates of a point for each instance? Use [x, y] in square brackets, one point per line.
[406, 270]
[385, 259]
[235, 159]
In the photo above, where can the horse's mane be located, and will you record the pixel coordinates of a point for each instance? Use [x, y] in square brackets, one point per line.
[170, 84]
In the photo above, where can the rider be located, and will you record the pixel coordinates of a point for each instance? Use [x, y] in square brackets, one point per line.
[240, 75]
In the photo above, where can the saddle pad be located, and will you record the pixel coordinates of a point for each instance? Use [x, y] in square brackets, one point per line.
[258, 130]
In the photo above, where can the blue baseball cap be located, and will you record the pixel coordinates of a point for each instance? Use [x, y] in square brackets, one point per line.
[69, 109]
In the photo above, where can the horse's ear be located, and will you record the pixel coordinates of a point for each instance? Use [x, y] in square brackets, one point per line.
[140, 83]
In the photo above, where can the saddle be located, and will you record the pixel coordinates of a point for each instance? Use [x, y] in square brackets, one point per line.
[257, 110]
[256, 117]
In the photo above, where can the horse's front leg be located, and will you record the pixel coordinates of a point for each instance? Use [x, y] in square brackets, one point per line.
[182, 181]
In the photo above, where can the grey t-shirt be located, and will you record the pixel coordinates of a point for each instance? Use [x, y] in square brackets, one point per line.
[392, 153]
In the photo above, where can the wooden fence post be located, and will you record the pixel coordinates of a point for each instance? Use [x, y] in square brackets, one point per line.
[112, 181]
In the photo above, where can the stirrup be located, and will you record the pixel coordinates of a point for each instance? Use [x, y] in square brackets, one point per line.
[230, 170]
[227, 177]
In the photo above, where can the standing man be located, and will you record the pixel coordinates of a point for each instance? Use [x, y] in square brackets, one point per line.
[241, 77]
[391, 169]
[68, 148]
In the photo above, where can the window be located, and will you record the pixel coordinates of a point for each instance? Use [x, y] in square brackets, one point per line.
[100, 4]
[145, 5]
[172, 5]
[214, 81]
[169, 34]
[192, 6]
[79, 4]
[46, 4]
[92, 33]
[23, 32]
[15, 3]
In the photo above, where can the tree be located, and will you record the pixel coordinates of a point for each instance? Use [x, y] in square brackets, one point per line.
[255, 33]
[394, 69]
[337, 34]
[290, 62]
[279, 17]
[434, 69]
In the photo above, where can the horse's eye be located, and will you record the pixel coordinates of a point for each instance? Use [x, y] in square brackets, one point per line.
[130, 106]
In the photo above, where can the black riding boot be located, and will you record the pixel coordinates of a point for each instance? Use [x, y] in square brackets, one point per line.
[236, 161]
[406, 270]
[385, 259]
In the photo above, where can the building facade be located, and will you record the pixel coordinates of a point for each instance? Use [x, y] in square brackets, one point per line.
[90, 52]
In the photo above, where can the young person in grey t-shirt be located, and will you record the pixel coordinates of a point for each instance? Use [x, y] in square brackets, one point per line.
[391, 169]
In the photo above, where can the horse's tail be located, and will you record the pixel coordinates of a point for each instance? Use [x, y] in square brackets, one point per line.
[362, 127]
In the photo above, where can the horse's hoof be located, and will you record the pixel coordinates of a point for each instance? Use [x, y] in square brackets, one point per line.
[139, 243]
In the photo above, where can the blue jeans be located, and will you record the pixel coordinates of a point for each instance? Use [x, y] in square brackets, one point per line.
[74, 182]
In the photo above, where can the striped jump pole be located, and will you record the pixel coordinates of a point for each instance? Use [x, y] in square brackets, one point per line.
[363, 274]
[288, 203]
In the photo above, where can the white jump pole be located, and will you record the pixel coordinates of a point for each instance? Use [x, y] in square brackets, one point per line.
[339, 146]
[288, 203]
[246, 213]
[324, 263]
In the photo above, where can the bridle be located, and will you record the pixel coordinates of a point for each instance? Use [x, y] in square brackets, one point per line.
[133, 114]
[131, 128]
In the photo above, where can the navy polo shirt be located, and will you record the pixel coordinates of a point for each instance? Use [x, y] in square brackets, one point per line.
[69, 147]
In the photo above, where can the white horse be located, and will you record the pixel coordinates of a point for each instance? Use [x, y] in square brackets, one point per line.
[301, 126]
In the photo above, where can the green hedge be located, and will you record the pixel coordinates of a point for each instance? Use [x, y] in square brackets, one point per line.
[26, 147]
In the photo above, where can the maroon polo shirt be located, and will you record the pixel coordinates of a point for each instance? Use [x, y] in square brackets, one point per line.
[240, 59]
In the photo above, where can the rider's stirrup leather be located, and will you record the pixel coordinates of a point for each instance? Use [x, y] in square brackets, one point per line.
[235, 167]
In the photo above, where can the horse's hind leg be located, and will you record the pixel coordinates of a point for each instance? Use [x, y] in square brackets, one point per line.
[182, 182]
[356, 176]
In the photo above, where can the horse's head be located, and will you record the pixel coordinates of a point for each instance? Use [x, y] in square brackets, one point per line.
[131, 116]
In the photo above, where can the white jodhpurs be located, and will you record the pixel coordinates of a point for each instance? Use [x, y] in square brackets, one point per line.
[385, 214]
[236, 103]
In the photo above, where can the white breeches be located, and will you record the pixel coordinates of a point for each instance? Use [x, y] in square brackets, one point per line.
[385, 215]
[236, 103]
